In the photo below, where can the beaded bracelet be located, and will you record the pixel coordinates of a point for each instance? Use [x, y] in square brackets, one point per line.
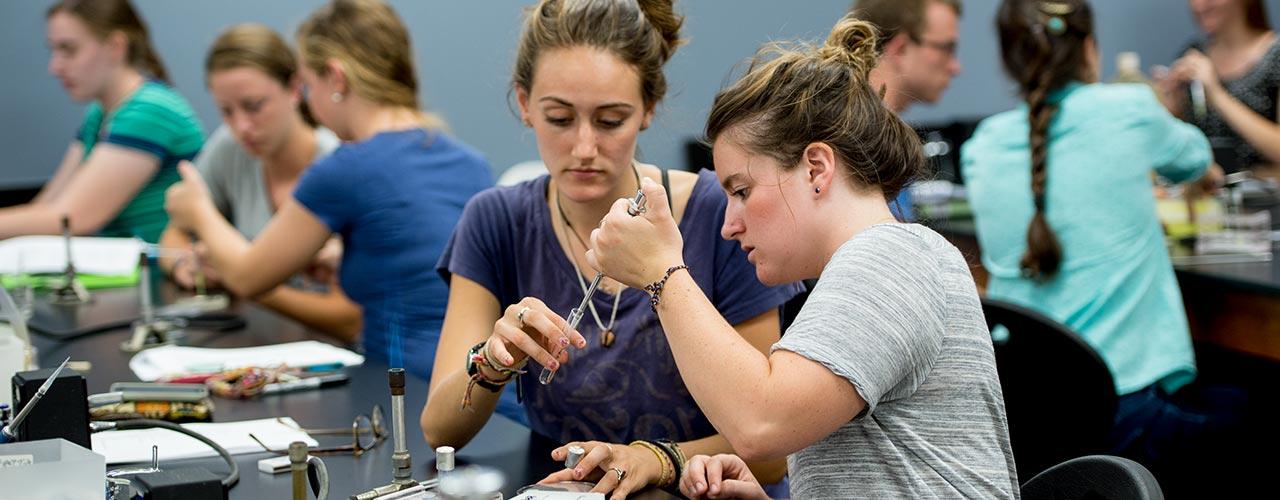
[668, 471]
[655, 288]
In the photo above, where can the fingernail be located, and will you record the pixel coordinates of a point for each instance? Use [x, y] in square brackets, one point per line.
[582, 343]
[577, 473]
[564, 341]
[698, 487]
[509, 361]
[554, 364]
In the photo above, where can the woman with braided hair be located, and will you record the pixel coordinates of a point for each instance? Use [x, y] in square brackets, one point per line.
[1061, 193]
[885, 386]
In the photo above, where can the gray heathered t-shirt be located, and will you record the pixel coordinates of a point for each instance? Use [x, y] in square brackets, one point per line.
[896, 312]
[235, 178]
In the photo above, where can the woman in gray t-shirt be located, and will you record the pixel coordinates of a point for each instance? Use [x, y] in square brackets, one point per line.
[252, 162]
[885, 385]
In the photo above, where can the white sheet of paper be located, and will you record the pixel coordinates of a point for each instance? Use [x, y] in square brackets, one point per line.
[557, 495]
[132, 446]
[91, 255]
[164, 361]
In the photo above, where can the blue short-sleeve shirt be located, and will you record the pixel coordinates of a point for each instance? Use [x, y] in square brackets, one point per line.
[395, 198]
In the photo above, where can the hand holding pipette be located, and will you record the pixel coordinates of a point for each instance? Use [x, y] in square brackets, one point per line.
[636, 206]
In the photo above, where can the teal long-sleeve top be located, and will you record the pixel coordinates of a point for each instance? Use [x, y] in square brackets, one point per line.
[1116, 286]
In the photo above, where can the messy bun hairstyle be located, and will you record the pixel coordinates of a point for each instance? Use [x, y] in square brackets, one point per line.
[642, 33]
[793, 95]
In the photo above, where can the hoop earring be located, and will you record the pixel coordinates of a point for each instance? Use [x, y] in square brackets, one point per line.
[336, 97]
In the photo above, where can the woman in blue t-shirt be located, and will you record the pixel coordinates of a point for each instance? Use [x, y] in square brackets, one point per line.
[136, 128]
[517, 262]
[393, 192]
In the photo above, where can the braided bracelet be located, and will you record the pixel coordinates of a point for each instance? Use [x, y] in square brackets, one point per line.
[655, 288]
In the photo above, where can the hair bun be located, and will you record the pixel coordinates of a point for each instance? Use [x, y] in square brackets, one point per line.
[852, 42]
[661, 14]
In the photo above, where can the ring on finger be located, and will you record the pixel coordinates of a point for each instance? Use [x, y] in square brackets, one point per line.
[520, 315]
[621, 473]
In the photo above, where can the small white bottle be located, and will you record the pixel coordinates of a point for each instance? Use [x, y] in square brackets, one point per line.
[1129, 69]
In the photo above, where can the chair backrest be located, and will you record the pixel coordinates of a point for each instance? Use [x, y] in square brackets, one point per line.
[1095, 476]
[1059, 396]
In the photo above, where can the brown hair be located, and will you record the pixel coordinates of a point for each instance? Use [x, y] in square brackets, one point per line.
[104, 17]
[373, 46]
[891, 17]
[642, 33]
[1042, 48]
[794, 95]
[253, 45]
[1255, 15]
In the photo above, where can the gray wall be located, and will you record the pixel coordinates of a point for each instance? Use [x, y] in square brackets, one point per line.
[464, 50]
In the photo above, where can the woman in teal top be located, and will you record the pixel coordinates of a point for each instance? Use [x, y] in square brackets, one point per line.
[1065, 210]
[113, 176]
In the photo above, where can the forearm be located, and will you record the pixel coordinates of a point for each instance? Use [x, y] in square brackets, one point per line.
[175, 242]
[330, 312]
[767, 472]
[31, 218]
[444, 420]
[1260, 132]
[28, 219]
[707, 349]
[227, 252]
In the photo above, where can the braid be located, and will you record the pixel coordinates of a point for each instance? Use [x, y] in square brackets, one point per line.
[1044, 254]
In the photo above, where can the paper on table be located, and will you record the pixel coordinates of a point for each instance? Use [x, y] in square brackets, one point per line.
[91, 255]
[130, 446]
[557, 495]
[165, 361]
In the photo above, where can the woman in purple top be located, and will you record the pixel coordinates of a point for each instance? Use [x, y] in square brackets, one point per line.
[517, 265]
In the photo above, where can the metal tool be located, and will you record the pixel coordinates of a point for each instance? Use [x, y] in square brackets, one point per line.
[575, 316]
[71, 290]
[7, 433]
[401, 463]
[575, 455]
[202, 301]
[149, 330]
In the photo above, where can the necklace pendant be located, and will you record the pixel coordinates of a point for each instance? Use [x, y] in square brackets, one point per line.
[607, 338]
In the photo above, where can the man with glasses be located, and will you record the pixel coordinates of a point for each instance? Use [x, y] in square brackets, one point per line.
[917, 48]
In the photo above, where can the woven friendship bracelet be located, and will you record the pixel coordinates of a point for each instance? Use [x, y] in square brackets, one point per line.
[655, 288]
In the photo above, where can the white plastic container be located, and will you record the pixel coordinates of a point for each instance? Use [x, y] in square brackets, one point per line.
[51, 469]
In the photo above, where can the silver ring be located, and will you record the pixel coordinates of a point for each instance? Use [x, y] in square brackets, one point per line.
[621, 473]
[520, 315]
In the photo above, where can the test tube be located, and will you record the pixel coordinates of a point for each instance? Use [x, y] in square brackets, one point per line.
[575, 315]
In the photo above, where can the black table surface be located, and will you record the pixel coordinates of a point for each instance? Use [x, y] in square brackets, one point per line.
[523, 456]
[1257, 277]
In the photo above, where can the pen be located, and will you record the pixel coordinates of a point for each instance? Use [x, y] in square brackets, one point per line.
[305, 384]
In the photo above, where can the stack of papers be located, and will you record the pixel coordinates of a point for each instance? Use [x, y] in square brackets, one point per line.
[91, 255]
[172, 361]
[121, 447]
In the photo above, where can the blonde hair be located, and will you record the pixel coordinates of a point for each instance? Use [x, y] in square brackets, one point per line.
[793, 95]
[253, 45]
[104, 17]
[642, 33]
[372, 45]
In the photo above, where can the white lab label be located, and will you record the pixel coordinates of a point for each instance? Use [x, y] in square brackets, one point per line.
[16, 460]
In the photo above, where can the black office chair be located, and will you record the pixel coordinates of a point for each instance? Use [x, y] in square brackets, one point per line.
[1058, 393]
[1102, 477]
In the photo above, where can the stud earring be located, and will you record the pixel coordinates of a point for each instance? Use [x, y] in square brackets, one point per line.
[817, 190]
[336, 97]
